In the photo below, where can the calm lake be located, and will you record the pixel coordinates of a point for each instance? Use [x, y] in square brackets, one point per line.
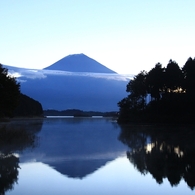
[92, 156]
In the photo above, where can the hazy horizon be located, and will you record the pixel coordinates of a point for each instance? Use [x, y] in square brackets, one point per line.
[126, 36]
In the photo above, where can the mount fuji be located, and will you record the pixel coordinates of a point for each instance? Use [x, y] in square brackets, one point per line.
[74, 82]
[79, 63]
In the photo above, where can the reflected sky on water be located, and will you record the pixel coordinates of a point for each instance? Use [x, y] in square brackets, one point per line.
[88, 156]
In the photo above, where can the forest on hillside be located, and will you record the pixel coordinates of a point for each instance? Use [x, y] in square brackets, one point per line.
[164, 94]
[12, 102]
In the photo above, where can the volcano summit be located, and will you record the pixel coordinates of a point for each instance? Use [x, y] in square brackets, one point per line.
[74, 82]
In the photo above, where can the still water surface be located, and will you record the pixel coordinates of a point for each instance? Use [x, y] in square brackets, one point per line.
[95, 156]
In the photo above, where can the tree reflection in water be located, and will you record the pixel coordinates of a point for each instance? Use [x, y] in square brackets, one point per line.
[14, 137]
[9, 165]
[163, 151]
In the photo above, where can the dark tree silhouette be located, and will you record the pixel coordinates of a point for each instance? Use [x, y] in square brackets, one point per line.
[137, 86]
[9, 93]
[189, 84]
[136, 100]
[155, 81]
[28, 107]
[189, 76]
[173, 77]
[171, 91]
[125, 109]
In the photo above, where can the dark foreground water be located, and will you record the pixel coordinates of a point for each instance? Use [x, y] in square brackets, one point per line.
[95, 156]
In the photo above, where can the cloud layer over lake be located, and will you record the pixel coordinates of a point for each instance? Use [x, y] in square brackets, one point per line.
[41, 74]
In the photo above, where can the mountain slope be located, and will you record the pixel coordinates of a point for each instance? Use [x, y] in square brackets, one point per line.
[76, 92]
[79, 63]
[74, 82]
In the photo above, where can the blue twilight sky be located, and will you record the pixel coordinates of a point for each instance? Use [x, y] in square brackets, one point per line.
[125, 35]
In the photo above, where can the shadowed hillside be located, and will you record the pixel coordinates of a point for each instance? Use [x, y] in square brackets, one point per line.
[28, 107]
[74, 82]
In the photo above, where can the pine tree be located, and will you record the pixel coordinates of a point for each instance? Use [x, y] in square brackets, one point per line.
[9, 93]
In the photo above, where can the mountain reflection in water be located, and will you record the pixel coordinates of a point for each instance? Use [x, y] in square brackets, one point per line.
[76, 147]
[67, 156]
[163, 151]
